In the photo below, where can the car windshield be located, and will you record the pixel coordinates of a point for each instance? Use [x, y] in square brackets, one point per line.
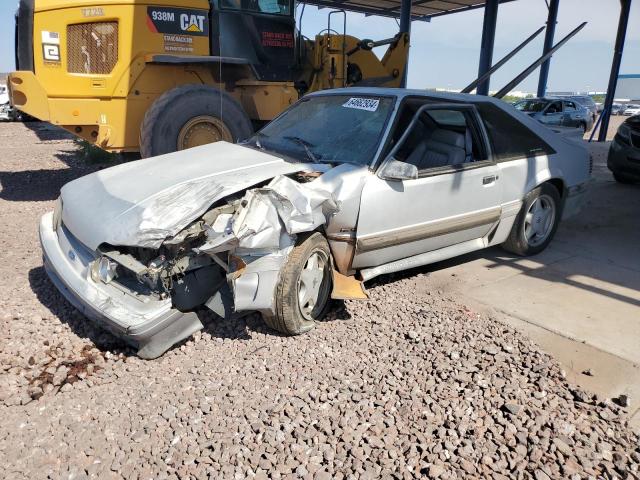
[531, 105]
[329, 128]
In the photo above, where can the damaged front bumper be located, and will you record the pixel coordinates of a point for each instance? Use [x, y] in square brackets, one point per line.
[152, 326]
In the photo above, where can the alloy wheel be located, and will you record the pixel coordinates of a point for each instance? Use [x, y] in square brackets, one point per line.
[539, 220]
[313, 285]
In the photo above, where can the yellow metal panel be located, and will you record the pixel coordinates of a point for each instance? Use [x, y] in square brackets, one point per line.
[136, 39]
[44, 5]
[265, 100]
[27, 94]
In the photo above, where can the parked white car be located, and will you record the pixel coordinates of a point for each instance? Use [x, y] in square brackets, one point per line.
[632, 110]
[7, 112]
[342, 187]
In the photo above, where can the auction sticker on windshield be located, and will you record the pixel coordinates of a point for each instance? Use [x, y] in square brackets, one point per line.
[368, 104]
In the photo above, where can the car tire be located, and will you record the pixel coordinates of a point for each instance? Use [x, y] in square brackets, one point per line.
[296, 309]
[534, 229]
[191, 115]
[584, 127]
[622, 178]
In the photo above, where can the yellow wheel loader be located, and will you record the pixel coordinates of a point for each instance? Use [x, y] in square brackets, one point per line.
[155, 76]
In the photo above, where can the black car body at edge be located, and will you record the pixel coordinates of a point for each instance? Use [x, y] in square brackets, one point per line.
[624, 153]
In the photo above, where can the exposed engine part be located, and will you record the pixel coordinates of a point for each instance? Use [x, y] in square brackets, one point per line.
[196, 287]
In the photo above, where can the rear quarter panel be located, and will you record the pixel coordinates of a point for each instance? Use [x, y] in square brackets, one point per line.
[570, 162]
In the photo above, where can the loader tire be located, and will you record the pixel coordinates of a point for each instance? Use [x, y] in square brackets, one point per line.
[189, 116]
[308, 263]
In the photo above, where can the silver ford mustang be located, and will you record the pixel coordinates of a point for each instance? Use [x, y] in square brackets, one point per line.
[343, 186]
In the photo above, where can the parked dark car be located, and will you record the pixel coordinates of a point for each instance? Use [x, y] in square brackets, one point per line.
[624, 153]
[557, 112]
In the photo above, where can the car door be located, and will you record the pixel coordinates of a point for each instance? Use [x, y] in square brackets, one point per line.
[552, 114]
[570, 114]
[446, 204]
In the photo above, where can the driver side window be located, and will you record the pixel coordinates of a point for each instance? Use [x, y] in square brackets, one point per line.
[554, 107]
[441, 138]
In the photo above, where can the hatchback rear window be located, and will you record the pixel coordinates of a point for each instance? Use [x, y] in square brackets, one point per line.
[509, 138]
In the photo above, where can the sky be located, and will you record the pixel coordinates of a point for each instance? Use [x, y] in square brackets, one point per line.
[445, 52]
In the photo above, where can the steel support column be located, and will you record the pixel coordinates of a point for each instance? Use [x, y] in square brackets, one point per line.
[405, 27]
[552, 19]
[625, 8]
[486, 46]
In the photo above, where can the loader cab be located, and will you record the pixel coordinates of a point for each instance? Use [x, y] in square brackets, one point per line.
[260, 31]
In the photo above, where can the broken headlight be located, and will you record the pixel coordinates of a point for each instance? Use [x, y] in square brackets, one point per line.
[103, 270]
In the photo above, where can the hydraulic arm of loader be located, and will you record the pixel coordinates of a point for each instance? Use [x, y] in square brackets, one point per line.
[343, 60]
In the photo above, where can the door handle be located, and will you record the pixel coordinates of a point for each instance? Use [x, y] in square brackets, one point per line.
[489, 179]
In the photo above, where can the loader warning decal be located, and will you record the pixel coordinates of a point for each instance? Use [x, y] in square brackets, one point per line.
[178, 21]
[277, 39]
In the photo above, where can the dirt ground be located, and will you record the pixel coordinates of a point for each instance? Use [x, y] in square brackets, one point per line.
[413, 383]
[614, 123]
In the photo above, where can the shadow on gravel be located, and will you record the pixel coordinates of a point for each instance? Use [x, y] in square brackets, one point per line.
[47, 132]
[45, 185]
[49, 296]
[239, 328]
[35, 185]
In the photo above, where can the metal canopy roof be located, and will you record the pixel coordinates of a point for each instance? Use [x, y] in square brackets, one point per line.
[420, 10]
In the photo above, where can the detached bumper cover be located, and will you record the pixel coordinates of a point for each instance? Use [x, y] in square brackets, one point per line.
[152, 326]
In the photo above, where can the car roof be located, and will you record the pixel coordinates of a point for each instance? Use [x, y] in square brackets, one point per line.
[401, 93]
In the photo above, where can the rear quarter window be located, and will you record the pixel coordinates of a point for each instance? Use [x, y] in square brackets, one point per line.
[509, 138]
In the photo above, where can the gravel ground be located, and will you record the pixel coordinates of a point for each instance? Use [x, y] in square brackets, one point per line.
[409, 384]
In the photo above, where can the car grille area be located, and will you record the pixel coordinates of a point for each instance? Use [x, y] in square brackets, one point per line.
[92, 48]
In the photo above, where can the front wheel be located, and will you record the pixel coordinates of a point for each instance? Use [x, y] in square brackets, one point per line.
[536, 222]
[303, 292]
[190, 116]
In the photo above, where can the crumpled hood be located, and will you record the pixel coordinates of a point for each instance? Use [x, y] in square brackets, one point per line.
[142, 203]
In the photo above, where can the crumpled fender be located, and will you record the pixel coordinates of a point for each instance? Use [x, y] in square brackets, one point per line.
[262, 233]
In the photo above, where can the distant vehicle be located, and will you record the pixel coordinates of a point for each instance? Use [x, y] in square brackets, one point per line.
[624, 152]
[7, 112]
[618, 109]
[632, 110]
[557, 112]
[584, 100]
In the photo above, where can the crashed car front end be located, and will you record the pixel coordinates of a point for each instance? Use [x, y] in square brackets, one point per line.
[228, 259]
[150, 323]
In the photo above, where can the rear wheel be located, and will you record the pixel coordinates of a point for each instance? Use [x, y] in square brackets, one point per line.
[536, 222]
[303, 293]
[189, 116]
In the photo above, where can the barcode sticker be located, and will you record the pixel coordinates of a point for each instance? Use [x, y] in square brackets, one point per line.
[50, 38]
[368, 104]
